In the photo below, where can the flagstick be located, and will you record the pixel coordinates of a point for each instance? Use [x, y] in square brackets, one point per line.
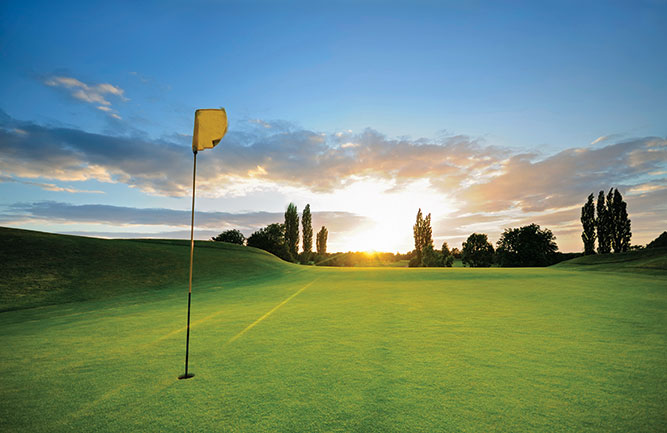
[192, 250]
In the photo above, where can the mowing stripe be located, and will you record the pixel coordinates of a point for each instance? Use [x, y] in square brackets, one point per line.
[252, 325]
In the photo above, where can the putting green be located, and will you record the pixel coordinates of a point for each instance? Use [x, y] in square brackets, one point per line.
[299, 348]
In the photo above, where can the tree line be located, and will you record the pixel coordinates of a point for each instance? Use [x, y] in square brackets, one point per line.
[282, 239]
[606, 222]
[524, 246]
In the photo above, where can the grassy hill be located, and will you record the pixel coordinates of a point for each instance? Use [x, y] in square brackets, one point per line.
[649, 260]
[280, 347]
[42, 268]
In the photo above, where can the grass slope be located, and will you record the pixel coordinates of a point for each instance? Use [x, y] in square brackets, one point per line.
[42, 268]
[648, 260]
[362, 349]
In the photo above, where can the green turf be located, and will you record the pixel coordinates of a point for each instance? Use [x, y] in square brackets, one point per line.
[645, 261]
[42, 268]
[357, 349]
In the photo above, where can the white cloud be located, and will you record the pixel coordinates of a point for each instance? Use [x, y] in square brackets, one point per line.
[49, 186]
[599, 139]
[90, 93]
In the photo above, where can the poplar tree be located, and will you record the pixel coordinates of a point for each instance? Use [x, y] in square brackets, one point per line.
[588, 223]
[292, 230]
[307, 230]
[602, 224]
[423, 236]
[620, 223]
[321, 241]
[417, 232]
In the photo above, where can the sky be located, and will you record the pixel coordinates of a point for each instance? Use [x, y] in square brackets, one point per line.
[488, 115]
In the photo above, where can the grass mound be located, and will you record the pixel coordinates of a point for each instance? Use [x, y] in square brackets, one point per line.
[42, 268]
[651, 260]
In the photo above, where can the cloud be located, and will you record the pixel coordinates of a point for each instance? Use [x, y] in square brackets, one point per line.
[606, 138]
[491, 187]
[484, 178]
[94, 94]
[561, 180]
[49, 186]
[599, 139]
[65, 213]
[245, 161]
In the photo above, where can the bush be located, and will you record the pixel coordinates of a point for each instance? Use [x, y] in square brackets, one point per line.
[231, 236]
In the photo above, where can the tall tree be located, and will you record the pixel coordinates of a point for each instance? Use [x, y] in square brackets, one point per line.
[417, 232]
[423, 236]
[602, 224]
[477, 251]
[427, 236]
[292, 230]
[307, 230]
[620, 223]
[321, 241]
[588, 223]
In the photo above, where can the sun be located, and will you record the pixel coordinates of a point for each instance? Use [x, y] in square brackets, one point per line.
[387, 213]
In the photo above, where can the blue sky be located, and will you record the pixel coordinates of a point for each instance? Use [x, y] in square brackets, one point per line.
[483, 81]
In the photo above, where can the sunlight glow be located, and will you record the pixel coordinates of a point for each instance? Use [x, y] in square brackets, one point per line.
[390, 211]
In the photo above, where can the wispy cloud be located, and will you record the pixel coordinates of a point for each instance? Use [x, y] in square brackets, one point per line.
[49, 186]
[96, 94]
[606, 138]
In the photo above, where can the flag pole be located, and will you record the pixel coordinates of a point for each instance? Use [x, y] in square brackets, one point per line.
[187, 375]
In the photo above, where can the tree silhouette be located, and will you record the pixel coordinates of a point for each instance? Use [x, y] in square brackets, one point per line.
[232, 236]
[603, 225]
[272, 239]
[447, 257]
[321, 241]
[477, 251]
[526, 246]
[588, 223]
[292, 231]
[307, 230]
[620, 223]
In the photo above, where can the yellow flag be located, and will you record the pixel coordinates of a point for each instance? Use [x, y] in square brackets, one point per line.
[210, 127]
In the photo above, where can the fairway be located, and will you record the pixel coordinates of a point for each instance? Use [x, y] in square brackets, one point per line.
[374, 349]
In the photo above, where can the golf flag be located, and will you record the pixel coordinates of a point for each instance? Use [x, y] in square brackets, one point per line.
[210, 127]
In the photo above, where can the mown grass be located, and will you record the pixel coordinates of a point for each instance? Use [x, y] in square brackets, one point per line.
[646, 261]
[43, 268]
[360, 349]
